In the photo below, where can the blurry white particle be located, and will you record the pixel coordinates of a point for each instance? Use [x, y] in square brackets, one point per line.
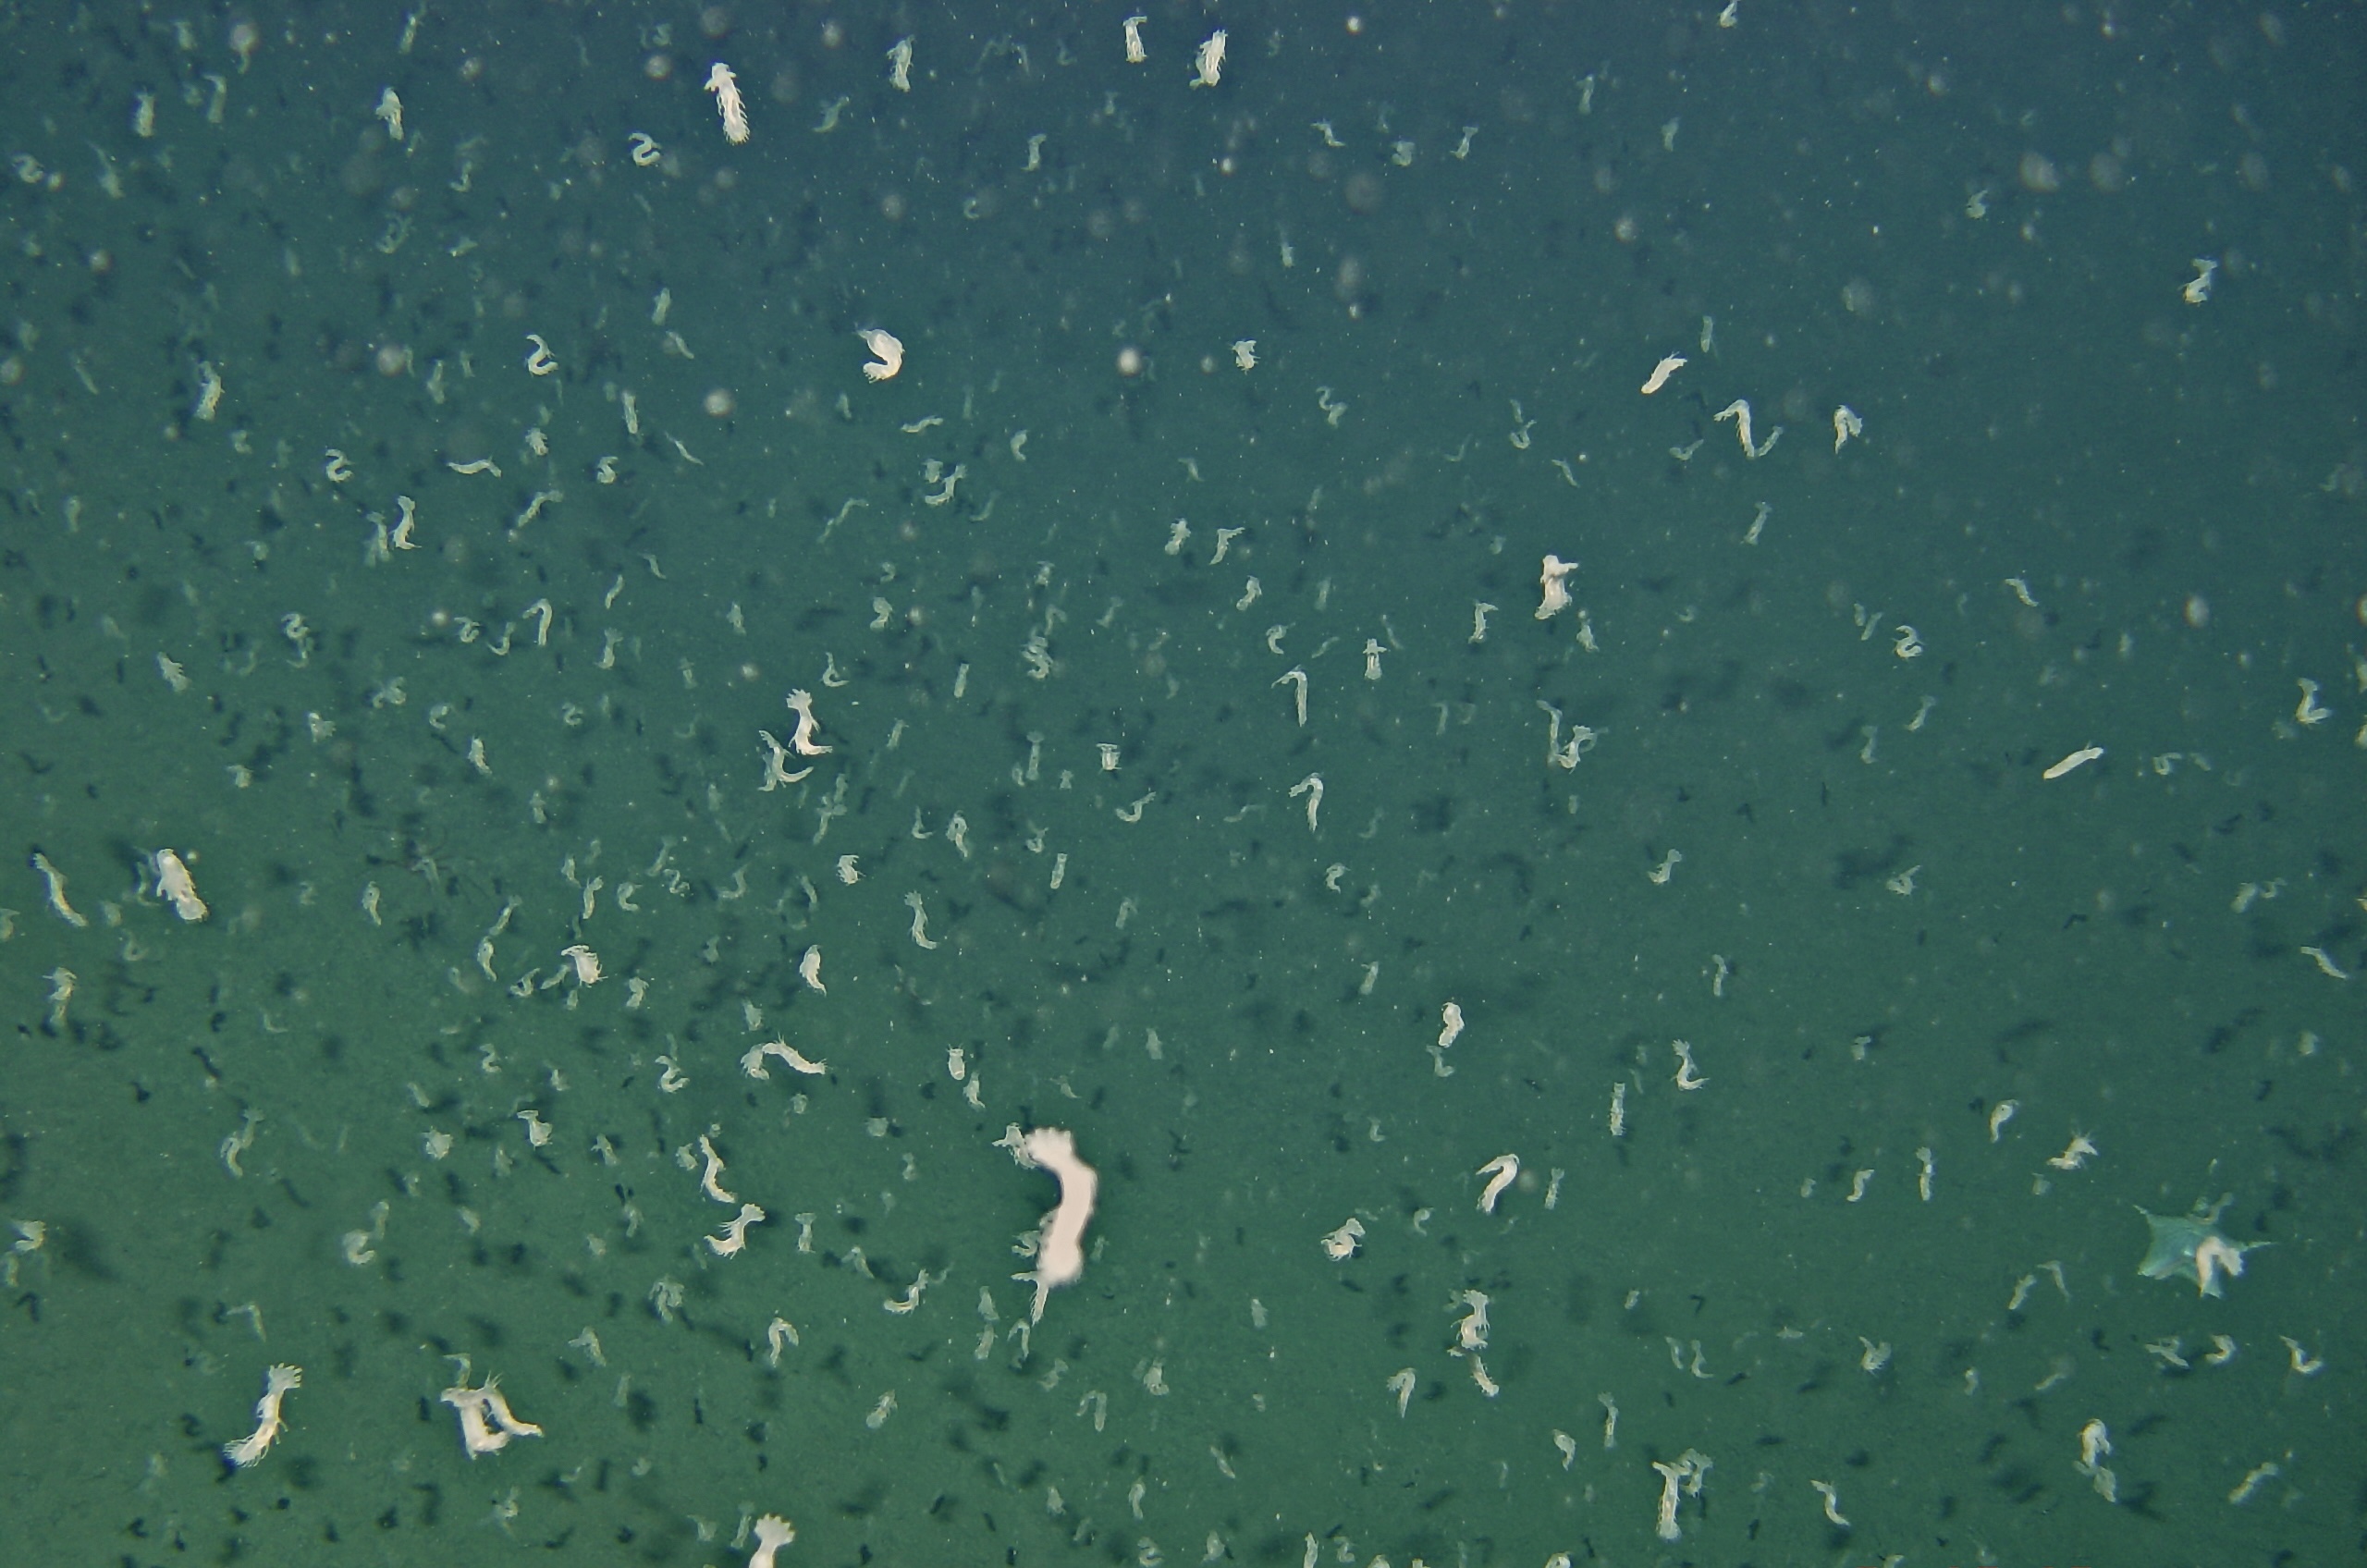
[900, 65]
[2197, 290]
[390, 109]
[1244, 353]
[209, 391]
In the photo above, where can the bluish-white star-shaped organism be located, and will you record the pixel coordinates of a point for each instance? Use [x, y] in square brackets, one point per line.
[2191, 1247]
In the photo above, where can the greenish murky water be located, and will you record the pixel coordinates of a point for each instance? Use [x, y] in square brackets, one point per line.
[429, 666]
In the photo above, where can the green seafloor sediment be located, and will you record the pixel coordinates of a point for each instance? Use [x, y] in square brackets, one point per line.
[433, 452]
